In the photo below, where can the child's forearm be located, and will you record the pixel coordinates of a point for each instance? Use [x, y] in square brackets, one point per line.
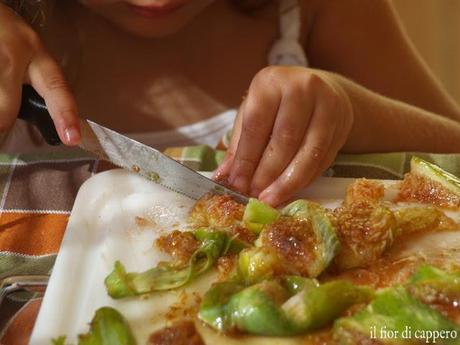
[382, 124]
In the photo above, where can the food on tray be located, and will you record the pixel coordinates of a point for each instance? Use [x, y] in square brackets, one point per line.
[171, 275]
[437, 288]
[180, 245]
[221, 212]
[311, 275]
[179, 333]
[365, 225]
[427, 183]
[393, 312]
[108, 326]
[423, 307]
[216, 212]
[285, 307]
[422, 219]
[257, 214]
[304, 236]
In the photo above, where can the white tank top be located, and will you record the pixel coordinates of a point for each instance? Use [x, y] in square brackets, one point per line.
[286, 51]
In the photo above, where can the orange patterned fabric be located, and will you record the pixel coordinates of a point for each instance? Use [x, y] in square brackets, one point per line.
[32, 233]
[36, 197]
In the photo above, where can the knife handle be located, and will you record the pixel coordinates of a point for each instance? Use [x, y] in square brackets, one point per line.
[33, 110]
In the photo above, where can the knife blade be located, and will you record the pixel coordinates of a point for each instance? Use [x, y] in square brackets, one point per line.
[125, 152]
[148, 162]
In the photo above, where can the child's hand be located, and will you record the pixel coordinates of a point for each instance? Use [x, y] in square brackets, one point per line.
[23, 59]
[288, 130]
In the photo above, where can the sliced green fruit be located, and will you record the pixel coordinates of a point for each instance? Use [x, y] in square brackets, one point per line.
[288, 307]
[108, 327]
[429, 283]
[431, 171]
[326, 237]
[385, 319]
[257, 214]
[256, 264]
[167, 276]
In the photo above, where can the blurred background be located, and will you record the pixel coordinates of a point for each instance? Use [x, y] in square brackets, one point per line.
[434, 27]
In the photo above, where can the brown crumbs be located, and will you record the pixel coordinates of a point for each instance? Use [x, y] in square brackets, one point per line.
[183, 307]
[140, 221]
[418, 188]
[179, 333]
[363, 189]
[243, 234]
[216, 210]
[179, 244]
[294, 241]
[365, 230]
[225, 266]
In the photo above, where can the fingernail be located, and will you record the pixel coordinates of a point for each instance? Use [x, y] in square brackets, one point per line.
[72, 136]
[269, 197]
[270, 200]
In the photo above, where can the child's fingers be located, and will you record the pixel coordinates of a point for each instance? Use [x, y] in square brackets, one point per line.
[311, 156]
[23, 59]
[223, 171]
[258, 117]
[46, 77]
[289, 130]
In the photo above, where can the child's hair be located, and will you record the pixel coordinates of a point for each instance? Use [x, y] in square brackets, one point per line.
[34, 11]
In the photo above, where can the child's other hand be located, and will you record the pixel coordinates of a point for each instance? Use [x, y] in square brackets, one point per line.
[288, 130]
[24, 60]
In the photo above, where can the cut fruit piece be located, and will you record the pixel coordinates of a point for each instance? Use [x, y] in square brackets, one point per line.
[279, 308]
[326, 241]
[394, 311]
[433, 172]
[257, 214]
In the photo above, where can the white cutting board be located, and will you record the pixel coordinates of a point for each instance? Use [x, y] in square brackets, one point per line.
[102, 229]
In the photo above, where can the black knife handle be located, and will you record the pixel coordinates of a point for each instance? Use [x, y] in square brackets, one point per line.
[33, 110]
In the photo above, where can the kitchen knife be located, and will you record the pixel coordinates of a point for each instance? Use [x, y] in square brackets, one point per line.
[124, 152]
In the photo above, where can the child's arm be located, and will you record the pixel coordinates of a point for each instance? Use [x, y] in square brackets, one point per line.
[382, 124]
[363, 41]
[295, 120]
